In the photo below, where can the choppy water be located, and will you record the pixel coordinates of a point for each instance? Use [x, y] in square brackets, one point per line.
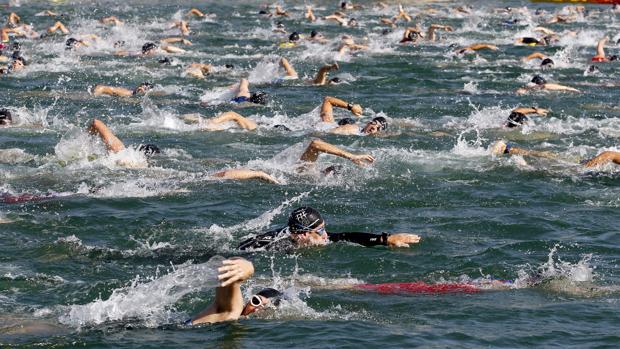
[122, 255]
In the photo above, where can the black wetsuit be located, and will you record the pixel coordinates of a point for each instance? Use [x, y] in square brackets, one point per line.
[279, 239]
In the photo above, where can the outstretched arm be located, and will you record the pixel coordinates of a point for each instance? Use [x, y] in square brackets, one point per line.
[241, 174]
[604, 157]
[243, 88]
[195, 12]
[228, 303]
[109, 139]
[243, 122]
[535, 55]
[327, 110]
[317, 146]
[369, 239]
[557, 87]
[430, 34]
[309, 14]
[532, 110]
[477, 47]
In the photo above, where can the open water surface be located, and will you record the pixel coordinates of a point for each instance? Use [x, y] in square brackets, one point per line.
[121, 256]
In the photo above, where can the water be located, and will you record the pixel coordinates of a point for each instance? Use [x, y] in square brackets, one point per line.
[122, 255]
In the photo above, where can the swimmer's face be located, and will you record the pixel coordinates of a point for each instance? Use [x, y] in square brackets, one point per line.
[371, 128]
[314, 237]
[256, 303]
[17, 65]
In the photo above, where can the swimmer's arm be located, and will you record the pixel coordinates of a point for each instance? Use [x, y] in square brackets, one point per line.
[535, 55]
[534, 153]
[558, 87]
[243, 122]
[321, 76]
[111, 20]
[176, 39]
[112, 91]
[196, 12]
[58, 26]
[327, 114]
[228, 303]
[241, 174]
[430, 34]
[603, 158]
[369, 240]
[600, 47]
[544, 30]
[172, 49]
[532, 110]
[317, 146]
[290, 71]
[109, 139]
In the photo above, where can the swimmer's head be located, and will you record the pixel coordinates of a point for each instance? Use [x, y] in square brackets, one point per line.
[304, 219]
[143, 87]
[413, 35]
[18, 63]
[313, 34]
[5, 117]
[166, 61]
[547, 63]
[377, 124]
[281, 127]
[613, 58]
[72, 43]
[280, 25]
[498, 148]
[149, 149]
[119, 43]
[294, 37]
[346, 121]
[538, 80]
[264, 298]
[593, 69]
[229, 66]
[149, 48]
[259, 98]
[263, 12]
[333, 170]
[352, 22]
[335, 80]
[516, 119]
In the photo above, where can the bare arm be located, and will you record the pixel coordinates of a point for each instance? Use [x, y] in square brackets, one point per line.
[430, 35]
[321, 76]
[533, 110]
[290, 71]
[327, 112]
[243, 122]
[112, 91]
[241, 174]
[228, 303]
[109, 139]
[603, 158]
[243, 88]
[195, 12]
[317, 146]
[535, 55]
[600, 47]
[176, 39]
[557, 87]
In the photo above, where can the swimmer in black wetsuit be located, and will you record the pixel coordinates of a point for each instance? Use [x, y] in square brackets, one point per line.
[306, 227]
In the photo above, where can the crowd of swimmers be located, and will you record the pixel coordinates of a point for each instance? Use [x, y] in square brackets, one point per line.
[305, 226]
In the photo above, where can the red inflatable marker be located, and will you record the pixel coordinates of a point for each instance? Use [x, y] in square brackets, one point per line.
[418, 287]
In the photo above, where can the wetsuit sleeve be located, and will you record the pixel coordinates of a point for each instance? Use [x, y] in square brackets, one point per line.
[265, 240]
[364, 239]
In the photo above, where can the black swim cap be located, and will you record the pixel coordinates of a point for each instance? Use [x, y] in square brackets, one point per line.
[335, 80]
[313, 33]
[593, 69]
[279, 25]
[547, 62]
[346, 121]
[294, 37]
[229, 66]
[343, 4]
[528, 40]
[148, 47]
[149, 149]
[281, 127]
[166, 61]
[539, 80]
[259, 98]
[5, 116]
[515, 119]
[386, 31]
[263, 12]
[272, 294]
[382, 122]
[21, 59]
[70, 43]
[304, 219]
[16, 46]
[413, 35]
[613, 58]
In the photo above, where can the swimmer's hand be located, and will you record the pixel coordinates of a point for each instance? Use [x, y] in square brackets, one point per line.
[402, 239]
[357, 110]
[362, 159]
[234, 270]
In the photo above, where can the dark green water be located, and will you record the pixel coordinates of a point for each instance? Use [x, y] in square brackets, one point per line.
[100, 267]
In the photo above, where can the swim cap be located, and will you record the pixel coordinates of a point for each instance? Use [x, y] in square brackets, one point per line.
[547, 63]
[304, 219]
[515, 119]
[70, 43]
[16, 54]
[413, 35]
[613, 58]
[382, 122]
[229, 66]
[16, 46]
[148, 47]
[21, 59]
[313, 33]
[343, 5]
[353, 22]
[263, 12]
[593, 69]
[346, 121]
[5, 116]
[280, 25]
[530, 41]
[149, 149]
[539, 80]
[270, 293]
[335, 80]
[281, 127]
[259, 98]
[294, 37]
[165, 60]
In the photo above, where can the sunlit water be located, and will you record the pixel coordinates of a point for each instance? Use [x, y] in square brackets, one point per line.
[122, 251]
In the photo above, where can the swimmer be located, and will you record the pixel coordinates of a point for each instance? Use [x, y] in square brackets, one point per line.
[322, 74]
[347, 43]
[327, 108]
[198, 70]
[529, 41]
[476, 47]
[281, 12]
[182, 25]
[373, 127]
[309, 15]
[243, 94]
[100, 90]
[316, 36]
[545, 63]
[214, 124]
[228, 304]
[604, 158]
[539, 83]
[150, 49]
[111, 20]
[600, 52]
[13, 19]
[306, 228]
[6, 119]
[414, 34]
[518, 116]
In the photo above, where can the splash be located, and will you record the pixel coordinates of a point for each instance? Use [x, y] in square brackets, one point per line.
[152, 303]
